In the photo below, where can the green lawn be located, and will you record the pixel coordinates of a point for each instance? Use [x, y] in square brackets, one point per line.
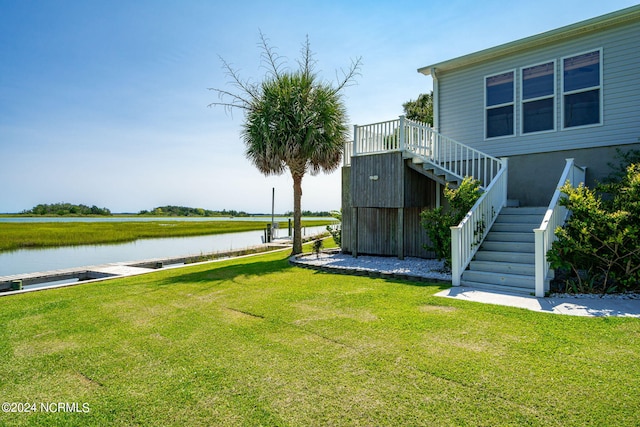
[258, 342]
[49, 234]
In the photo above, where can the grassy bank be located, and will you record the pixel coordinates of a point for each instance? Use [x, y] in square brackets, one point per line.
[51, 234]
[258, 342]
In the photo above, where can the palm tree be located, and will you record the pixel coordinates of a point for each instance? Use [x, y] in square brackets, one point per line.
[292, 121]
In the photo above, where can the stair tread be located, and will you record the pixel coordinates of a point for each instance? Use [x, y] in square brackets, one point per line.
[513, 264]
[504, 257]
[503, 288]
[514, 276]
[499, 246]
[528, 210]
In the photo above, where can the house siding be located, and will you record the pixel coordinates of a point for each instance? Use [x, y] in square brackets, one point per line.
[462, 109]
[378, 181]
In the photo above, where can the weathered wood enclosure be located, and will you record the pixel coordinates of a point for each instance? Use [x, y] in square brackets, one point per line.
[382, 199]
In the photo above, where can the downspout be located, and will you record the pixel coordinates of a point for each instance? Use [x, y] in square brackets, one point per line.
[436, 121]
[436, 100]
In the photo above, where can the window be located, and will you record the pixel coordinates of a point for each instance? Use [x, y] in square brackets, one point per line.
[499, 105]
[538, 98]
[582, 89]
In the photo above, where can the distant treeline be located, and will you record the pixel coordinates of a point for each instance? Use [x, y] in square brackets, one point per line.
[186, 211]
[66, 209]
[309, 213]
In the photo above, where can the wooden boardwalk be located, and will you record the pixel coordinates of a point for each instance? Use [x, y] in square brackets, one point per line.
[76, 275]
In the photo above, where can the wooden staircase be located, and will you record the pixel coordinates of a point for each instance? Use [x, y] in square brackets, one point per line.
[506, 258]
[433, 171]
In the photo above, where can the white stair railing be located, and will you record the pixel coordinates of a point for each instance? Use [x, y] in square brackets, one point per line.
[467, 236]
[555, 217]
[422, 142]
[448, 154]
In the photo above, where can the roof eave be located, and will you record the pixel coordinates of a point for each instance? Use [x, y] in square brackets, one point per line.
[623, 16]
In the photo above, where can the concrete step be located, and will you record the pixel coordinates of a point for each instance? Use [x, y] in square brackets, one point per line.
[500, 288]
[507, 246]
[535, 210]
[500, 279]
[505, 260]
[514, 227]
[503, 236]
[498, 256]
[503, 267]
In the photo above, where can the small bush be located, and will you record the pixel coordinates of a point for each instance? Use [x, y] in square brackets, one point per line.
[317, 247]
[438, 222]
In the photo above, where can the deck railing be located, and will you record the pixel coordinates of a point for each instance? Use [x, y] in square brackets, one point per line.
[421, 141]
[467, 236]
[376, 138]
[555, 217]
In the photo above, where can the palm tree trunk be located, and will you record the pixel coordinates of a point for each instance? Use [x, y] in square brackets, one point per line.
[297, 213]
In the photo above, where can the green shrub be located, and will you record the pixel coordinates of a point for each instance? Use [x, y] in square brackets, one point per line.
[438, 222]
[598, 245]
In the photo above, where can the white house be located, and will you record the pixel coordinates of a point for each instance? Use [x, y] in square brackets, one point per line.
[510, 116]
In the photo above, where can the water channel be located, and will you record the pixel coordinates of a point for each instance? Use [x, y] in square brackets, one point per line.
[39, 260]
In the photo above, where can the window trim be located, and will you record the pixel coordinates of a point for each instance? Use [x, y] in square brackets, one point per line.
[600, 88]
[512, 104]
[553, 96]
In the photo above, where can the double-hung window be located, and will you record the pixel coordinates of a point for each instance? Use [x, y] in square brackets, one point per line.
[538, 98]
[499, 105]
[582, 89]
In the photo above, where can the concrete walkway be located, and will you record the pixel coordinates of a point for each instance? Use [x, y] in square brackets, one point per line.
[573, 306]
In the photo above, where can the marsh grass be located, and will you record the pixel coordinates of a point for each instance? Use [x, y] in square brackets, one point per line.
[255, 341]
[50, 234]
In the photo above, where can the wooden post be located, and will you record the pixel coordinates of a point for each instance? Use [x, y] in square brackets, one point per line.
[400, 233]
[355, 140]
[354, 232]
[273, 205]
[540, 262]
[402, 196]
[456, 272]
[401, 135]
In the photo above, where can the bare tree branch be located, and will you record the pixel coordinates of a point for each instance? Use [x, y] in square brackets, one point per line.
[270, 57]
[350, 75]
[307, 63]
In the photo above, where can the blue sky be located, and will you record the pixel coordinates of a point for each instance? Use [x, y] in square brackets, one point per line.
[105, 102]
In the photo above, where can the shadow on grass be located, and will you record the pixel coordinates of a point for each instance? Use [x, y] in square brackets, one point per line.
[388, 278]
[228, 272]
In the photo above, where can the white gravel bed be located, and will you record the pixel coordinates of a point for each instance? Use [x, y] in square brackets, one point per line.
[625, 296]
[427, 268]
